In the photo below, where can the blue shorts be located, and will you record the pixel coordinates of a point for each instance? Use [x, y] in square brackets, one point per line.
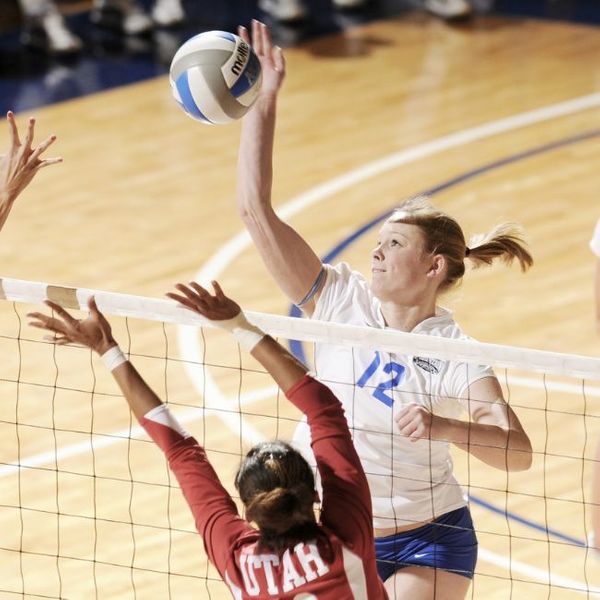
[448, 543]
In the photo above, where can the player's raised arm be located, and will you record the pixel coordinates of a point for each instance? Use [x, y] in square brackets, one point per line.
[290, 260]
[345, 488]
[20, 163]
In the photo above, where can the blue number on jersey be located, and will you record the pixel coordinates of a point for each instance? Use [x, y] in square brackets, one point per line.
[391, 368]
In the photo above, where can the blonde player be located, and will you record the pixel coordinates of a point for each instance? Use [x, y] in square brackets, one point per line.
[20, 164]
[403, 410]
[289, 555]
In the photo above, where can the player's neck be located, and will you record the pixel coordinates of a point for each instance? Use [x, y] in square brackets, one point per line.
[406, 317]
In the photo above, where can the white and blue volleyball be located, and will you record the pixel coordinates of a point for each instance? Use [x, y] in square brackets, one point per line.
[215, 77]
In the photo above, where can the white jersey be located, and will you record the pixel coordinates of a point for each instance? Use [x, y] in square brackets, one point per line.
[409, 481]
[595, 241]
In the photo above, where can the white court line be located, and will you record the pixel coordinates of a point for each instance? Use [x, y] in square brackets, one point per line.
[99, 440]
[535, 573]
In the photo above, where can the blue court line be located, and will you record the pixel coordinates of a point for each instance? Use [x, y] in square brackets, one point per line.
[298, 350]
[532, 524]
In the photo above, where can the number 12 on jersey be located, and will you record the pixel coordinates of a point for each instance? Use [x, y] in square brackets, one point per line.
[380, 392]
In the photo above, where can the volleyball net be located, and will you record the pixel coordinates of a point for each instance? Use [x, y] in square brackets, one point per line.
[88, 508]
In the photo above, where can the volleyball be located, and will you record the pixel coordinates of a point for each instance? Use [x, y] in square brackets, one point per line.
[215, 77]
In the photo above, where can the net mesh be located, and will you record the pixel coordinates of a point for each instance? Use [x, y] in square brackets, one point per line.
[88, 508]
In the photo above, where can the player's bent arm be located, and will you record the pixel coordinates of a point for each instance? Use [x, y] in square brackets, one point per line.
[291, 261]
[494, 434]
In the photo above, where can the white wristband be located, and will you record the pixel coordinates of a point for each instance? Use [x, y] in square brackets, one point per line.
[246, 334]
[248, 338]
[113, 357]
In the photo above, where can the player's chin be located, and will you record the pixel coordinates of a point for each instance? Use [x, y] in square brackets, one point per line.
[379, 286]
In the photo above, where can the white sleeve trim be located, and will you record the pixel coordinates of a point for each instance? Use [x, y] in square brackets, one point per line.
[161, 414]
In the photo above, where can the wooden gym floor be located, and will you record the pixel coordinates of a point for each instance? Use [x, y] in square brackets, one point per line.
[146, 198]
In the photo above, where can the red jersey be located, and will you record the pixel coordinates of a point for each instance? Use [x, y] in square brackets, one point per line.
[301, 571]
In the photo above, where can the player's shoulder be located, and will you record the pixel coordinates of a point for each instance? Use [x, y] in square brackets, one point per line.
[346, 297]
[343, 272]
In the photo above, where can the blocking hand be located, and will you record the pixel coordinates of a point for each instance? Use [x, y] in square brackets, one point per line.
[217, 307]
[94, 331]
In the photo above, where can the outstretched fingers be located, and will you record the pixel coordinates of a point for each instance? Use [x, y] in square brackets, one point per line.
[58, 339]
[29, 135]
[194, 296]
[201, 291]
[243, 33]
[14, 132]
[183, 300]
[93, 306]
[61, 312]
[279, 59]
[267, 42]
[219, 294]
[189, 297]
[42, 321]
[257, 38]
[40, 149]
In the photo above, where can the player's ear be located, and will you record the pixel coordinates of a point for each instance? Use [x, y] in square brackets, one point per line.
[437, 268]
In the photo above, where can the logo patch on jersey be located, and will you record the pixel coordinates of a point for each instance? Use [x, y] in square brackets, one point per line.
[431, 365]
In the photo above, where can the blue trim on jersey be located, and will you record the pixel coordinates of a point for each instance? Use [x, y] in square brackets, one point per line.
[313, 290]
[187, 100]
[298, 350]
[448, 543]
[248, 76]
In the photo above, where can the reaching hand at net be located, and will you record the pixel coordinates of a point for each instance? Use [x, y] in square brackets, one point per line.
[93, 332]
[217, 307]
[20, 164]
[222, 311]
